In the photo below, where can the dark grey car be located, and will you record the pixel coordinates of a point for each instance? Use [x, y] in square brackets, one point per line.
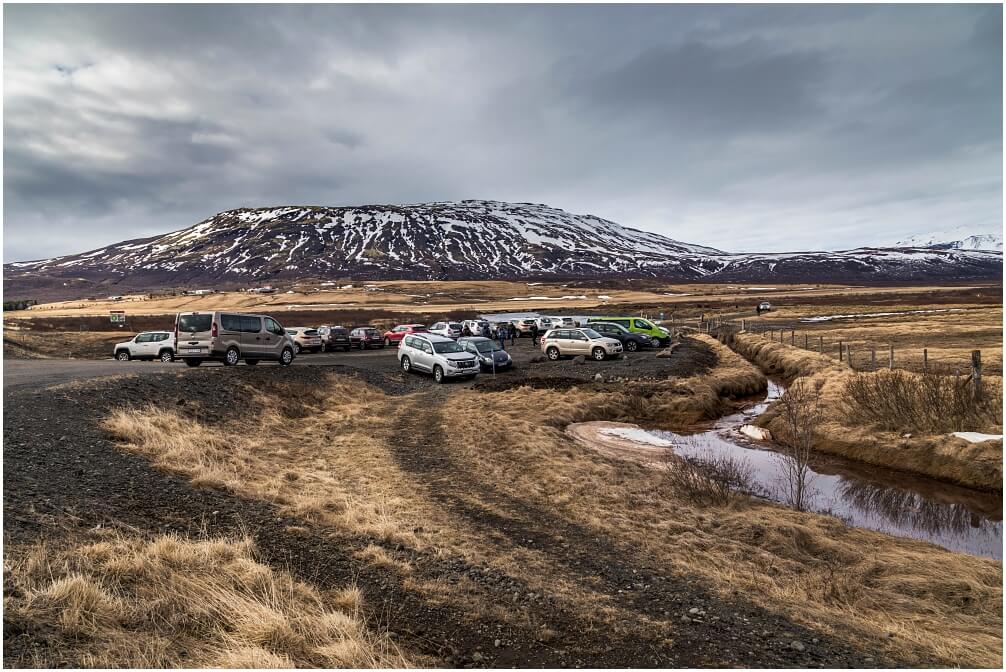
[487, 351]
[630, 341]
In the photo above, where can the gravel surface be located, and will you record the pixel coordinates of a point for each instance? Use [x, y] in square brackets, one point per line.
[63, 474]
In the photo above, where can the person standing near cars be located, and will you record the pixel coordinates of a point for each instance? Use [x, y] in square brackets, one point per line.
[512, 328]
[534, 334]
[501, 333]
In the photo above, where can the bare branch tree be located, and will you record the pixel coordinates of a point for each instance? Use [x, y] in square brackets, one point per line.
[802, 414]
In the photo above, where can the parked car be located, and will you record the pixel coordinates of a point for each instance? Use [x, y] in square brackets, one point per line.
[523, 325]
[637, 325]
[488, 352]
[231, 337]
[764, 306]
[305, 338]
[333, 338]
[546, 323]
[477, 327]
[394, 336]
[436, 354]
[563, 322]
[565, 342]
[366, 337]
[629, 340]
[147, 345]
[446, 329]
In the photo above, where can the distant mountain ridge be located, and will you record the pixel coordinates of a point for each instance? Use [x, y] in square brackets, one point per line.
[450, 241]
[955, 239]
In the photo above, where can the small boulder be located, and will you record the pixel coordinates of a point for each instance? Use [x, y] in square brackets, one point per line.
[598, 377]
[579, 359]
[797, 645]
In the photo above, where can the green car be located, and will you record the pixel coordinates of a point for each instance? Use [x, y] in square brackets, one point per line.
[638, 325]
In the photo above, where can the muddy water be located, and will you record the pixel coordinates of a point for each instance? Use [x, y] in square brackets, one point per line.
[862, 495]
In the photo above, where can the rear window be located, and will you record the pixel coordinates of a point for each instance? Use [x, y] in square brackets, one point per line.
[190, 323]
[455, 325]
[311, 332]
[339, 331]
[372, 332]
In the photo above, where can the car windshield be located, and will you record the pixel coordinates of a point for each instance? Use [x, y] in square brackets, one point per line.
[192, 323]
[444, 348]
[592, 334]
[487, 346]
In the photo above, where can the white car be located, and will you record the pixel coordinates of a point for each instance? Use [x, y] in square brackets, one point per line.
[477, 327]
[447, 329]
[439, 355]
[546, 323]
[147, 345]
[563, 322]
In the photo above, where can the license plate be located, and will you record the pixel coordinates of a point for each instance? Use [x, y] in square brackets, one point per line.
[193, 350]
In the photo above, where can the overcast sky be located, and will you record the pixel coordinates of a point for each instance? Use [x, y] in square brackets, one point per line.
[746, 128]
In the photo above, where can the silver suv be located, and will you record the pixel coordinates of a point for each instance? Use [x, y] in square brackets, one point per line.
[147, 345]
[439, 355]
[231, 337]
[587, 342]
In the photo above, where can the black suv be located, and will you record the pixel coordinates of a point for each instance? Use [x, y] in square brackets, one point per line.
[630, 341]
[333, 338]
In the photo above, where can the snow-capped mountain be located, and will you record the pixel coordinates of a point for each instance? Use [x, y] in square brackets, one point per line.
[452, 240]
[960, 238]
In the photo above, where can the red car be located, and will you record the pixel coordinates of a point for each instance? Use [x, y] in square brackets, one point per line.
[401, 331]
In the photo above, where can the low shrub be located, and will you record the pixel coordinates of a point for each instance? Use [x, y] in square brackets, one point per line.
[931, 402]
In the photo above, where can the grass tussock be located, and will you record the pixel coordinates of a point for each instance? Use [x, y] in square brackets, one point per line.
[118, 601]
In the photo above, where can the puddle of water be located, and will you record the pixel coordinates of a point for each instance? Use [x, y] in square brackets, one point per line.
[862, 495]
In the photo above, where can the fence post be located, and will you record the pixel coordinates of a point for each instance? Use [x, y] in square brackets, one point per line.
[890, 357]
[806, 339]
[742, 325]
[976, 373]
[840, 351]
[873, 358]
[925, 360]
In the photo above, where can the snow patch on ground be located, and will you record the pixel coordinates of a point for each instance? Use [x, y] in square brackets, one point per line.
[828, 318]
[978, 437]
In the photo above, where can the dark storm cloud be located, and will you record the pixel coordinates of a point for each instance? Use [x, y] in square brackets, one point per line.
[742, 127]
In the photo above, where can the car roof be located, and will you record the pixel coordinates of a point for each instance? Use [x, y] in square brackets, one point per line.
[476, 338]
[435, 338]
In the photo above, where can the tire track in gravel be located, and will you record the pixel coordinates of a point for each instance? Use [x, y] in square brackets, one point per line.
[599, 564]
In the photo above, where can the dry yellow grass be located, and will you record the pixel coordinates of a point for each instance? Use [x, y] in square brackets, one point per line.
[337, 466]
[948, 336]
[488, 295]
[121, 601]
[939, 456]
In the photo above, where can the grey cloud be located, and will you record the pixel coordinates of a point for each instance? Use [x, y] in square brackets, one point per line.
[741, 127]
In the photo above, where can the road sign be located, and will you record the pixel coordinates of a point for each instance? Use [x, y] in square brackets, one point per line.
[117, 316]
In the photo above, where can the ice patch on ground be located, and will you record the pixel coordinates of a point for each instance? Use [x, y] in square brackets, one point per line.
[637, 435]
[828, 318]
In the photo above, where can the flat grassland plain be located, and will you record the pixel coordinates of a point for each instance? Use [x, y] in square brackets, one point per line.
[352, 515]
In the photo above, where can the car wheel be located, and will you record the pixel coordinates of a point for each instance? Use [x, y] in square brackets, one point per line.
[193, 362]
[251, 362]
[631, 346]
[286, 357]
[406, 364]
[296, 348]
[552, 353]
[387, 342]
[438, 374]
[231, 357]
[598, 353]
[363, 345]
[122, 355]
[167, 356]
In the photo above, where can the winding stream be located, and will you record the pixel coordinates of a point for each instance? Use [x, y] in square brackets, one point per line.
[862, 495]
